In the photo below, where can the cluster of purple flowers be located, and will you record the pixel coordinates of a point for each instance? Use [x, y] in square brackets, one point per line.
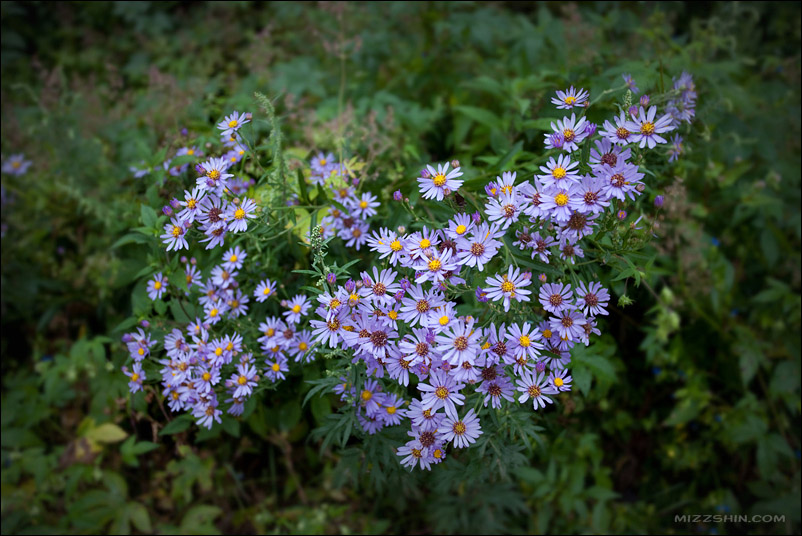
[350, 224]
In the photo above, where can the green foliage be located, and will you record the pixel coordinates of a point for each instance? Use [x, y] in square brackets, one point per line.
[689, 403]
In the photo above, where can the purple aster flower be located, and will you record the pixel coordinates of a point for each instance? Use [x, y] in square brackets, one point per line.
[365, 207]
[606, 153]
[239, 214]
[174, 235]
[541, 245]
[214, 177]
[481, 295]
[376, 337]
[355, 235]
[459, 226]
[422, 417]
[137, 376]
[569, 252]
[578, 226]
[565, 100]
[387, 243]
[676, 148]
[590, 196]
[646, 130]
[390, 413]
[504, 210]
[157, 286]
[381, 288]
[572, 131]
[508, 286]
[232, 259]
[413, 453]
[560, 380]
[683, 107]
[621, 180]
[480, 247]
[556, 297]
[523, 341]
[593, 299]
[298, 307]
[16, 165]
[556, 201]
[618, 133]
[264, 290]
[435, 267]
[536, 387]
[459, 342]
[495, 386]
[243, 381]
[439, 182]
[232, 123]
[463, 432]
[442, 391]
[329, 332]
[207, 413]
[415, 308]
[630, 83]
[568, 324]
[559, 172]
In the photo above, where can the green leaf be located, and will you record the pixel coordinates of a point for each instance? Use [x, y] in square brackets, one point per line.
[480, 115]
[139, 516]
[200, 520]
[177, 425]
[148, 216]
[107, 433]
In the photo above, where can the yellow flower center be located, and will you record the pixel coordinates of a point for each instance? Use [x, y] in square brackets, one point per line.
[176, 231]
[561, 199]
[569, 135]
[569, 100]
[323, 162]
[558, 173]
[303, 347]
[393, 315]
[547, 333]
[218, 351]
[647, 129]
[16, 164]
[270, 332]
[443, 320]
[441, 393]
[558, 382]
[425, 243]
[434, 265]
[232, 123]
[439, 179]
[213, 174]
[239, 213]
[334, 303]
[395, 245]
[391, 410]
[242, 380]
[191, 203]
[363, 205]
[157, 285]
[275, 367]
[459, 428]
[461, 229]
[134, 377]
[366, 395]
[507, 286]
[232, 258]
[296, 309]
[141, 351]
[190, 152]
[524, 341]
[213, 312]
[207, 376]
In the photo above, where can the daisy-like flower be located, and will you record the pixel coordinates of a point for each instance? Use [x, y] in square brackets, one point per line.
[137, 376]
[683, 108]
[191, 204]
[442, 391]
[222, 277]
[157, 286]
[559, 172]
[556, 202]
[435, 267]
[213, 312]
[572, 132]
[459, 226]
[536, 387]
[375, 338]
[232, 259]
[556, 297]
[495, 386]
[413, 453]
[463, 432]
[621, 180]
[243, 381]
[276, 368]
[355, 235]
[523, 341]
[606, 153]
[560, 380]
[590, 196]
[390, 413]
[264, 290]
[619, 133]
[416, 347]
[330, 331]
[441, 318]
[215, 235]
[322, 162]
[508, 286]
[676, 148]
[300, 347]
[568, 324]
[421, 244]
[569, 252]
[506, 183]
[16, 165]
[233, 122]
[541, 245]
[578, 226]
[593, 299]
[630, 83]
[207, 413]
[440, 182]
[387, 243]
[381, 288]
[415, 308]
[239, 214]
[459, 343]
[237, 304]
[646, 130]
[565, 100]
[297, 307]
[422, 417]
[505, 209]
[174, 235]
[214, 176]
[365, 207]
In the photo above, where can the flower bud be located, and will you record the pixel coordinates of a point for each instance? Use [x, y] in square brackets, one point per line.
[425, 173]
[543, 278]
[350, 286]
[622, 215]
[167, 210]
[401, 229]
[644, 100]
[397, 195]
[540, 366]
[640, 187]
[455, 163]
[145, 324]
[183, 259]
[175, 203]
[658, 201]
[331, 278]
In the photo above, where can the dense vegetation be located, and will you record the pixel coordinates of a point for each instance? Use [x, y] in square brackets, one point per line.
[688, 402]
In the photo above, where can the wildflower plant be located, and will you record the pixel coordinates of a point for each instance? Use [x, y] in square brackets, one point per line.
[458, 332]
